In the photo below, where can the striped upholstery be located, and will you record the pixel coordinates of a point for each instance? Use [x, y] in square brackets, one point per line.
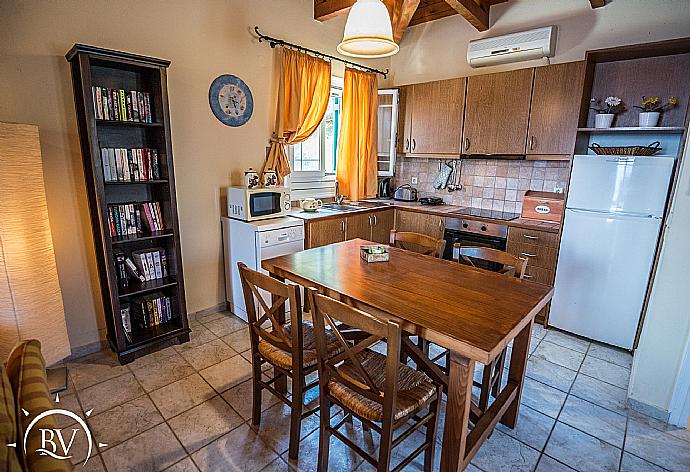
[8, 425]
[414, 387]
[27, 374]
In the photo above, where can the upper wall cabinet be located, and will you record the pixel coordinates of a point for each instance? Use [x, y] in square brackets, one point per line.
[497, 113]
[556, 99]
[433, 117]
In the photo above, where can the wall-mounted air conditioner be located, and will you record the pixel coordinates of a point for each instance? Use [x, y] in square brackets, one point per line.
[514, 47]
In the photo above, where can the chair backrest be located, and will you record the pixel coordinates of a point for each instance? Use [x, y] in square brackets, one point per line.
[512, 265]
[417, 242]
[355, 331]
[265, 316]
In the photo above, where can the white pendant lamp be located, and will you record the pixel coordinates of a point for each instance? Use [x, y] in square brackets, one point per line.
[368, 31]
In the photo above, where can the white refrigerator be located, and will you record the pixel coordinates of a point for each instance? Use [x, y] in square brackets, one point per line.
[612, 221]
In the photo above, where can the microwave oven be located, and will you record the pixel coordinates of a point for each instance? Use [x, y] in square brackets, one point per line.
[259, 203]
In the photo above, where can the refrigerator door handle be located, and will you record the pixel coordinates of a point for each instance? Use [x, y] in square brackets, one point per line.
[613, 214]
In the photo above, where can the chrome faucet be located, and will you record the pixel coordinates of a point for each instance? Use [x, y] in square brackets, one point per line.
[338, 198]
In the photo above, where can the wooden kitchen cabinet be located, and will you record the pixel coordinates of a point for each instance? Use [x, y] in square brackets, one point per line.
[323, 232]
[358, 226]
[541, 250]
[382, 224]
[497, 113]
[556, 99]
[433, 117]
[423, 223]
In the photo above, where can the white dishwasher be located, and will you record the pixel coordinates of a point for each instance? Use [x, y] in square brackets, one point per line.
[254, 241]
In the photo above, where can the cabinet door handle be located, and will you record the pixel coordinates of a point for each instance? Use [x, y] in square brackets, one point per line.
[530, 237]
[440, 223]
[528, 276]
[414, 144]
[527, 255]
[370, 221]
[342, 225]
[376, 221]
[467, 143]
[531, 143]
[407, 144]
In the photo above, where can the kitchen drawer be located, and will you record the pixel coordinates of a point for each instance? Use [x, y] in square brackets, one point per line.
[530, 236]
[539, 256]
[539, 274]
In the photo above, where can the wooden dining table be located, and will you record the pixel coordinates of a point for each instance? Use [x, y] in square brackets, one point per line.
[472, 312]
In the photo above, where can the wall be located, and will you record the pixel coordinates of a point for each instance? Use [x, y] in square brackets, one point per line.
[438, 50]
[203, 39]
[490, 184]
[667, 323]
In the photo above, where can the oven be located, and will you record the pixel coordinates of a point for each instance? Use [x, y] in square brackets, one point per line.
[474, 233]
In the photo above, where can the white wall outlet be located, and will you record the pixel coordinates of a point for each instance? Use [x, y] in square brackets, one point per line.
[414, 180]
[558, 189]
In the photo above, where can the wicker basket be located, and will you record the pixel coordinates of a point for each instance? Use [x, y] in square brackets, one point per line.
[650, 150]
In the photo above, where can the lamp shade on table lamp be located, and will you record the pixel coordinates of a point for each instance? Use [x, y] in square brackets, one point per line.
[30, 298]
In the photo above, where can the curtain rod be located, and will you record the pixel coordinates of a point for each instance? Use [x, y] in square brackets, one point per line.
[273, 42]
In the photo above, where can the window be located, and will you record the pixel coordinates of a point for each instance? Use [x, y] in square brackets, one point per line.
[313, 161]
[388, 131]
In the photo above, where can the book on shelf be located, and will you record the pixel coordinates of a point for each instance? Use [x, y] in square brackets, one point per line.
[130, 165]
[121, 105]
[152, 263]
[150, 310]
[126, 320]
[137, 218]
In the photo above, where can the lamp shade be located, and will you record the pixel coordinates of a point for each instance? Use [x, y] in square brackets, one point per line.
[368, 31]
[30, 298]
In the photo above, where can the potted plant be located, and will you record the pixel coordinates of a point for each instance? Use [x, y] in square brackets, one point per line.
[607, 111]
[651, 110]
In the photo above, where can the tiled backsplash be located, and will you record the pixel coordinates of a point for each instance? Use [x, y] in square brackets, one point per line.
[487, 183]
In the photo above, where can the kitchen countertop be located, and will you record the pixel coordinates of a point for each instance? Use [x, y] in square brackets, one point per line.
[439, 210]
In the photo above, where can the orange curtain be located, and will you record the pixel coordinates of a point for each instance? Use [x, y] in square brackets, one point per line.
[303, 93]
[357, 147]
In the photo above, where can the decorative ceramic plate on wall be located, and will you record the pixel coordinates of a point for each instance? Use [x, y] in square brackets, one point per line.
[231, 100]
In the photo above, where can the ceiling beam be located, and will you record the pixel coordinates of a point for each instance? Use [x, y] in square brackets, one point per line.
[401, 12]
[476, 13]
[597, 3]
[327, 9]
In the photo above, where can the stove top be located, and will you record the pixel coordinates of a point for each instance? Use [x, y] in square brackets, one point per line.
[494, 214]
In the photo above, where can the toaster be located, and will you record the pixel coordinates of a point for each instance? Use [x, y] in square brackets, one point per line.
[405, 193]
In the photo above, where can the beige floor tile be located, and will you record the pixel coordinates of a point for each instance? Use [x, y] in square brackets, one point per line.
[240, 398]
[94, 368]
[152, 451]
[542, 398]
[225, 325]
[212, 316]
[533, 428]
[274, 429]
[559, 355]
[199, 335]
[239, 340]
[611, 354]
[182, 395]
[228, 373]
[67, 402]
[547, 464]
[595, 420]
[241, 450]
[113, 392]
[567, 340]
[208, 354]
[601, 393]
[94, 464]
[151, 358]
[632, 463]
[606, 372]
[155, 376]
[657, 447]
[124, 421]
[278, 465]
[551, 374]
[185, 465]
[582, 451]
[500, 452]
[202, 424]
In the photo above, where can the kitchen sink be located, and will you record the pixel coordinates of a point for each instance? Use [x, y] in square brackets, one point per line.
[336, 207]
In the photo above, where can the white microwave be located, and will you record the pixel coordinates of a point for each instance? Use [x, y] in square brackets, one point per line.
[259, 203]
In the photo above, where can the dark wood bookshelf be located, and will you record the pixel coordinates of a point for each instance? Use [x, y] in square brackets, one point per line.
[92, 66]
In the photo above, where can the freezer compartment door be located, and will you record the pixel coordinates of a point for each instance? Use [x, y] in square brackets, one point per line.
[603, 269]
[630, 184]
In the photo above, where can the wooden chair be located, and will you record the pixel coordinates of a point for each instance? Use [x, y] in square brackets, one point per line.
[417, 242]
[289, 347]
[383, 393]
[511, 266]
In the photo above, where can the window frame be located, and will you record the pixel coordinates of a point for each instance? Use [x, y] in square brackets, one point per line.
[392, 152]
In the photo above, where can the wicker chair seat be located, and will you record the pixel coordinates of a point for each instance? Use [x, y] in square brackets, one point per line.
[281, 358]
[414, 388]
